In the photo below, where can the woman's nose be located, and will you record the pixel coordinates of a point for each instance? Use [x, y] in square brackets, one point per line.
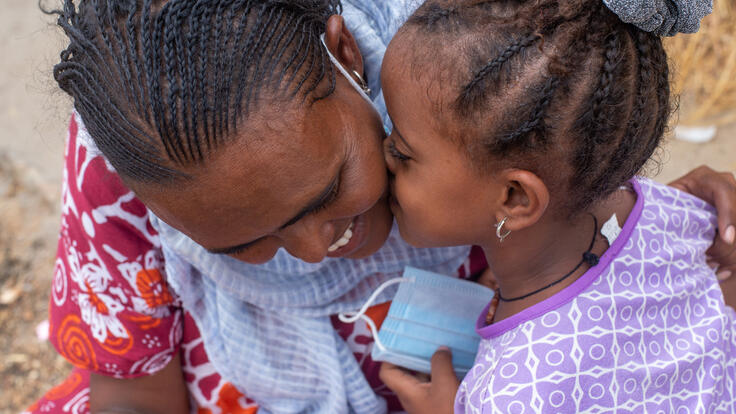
[309, 240]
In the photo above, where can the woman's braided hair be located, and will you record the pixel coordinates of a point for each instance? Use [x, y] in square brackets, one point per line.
[563, 84]
[160, 84]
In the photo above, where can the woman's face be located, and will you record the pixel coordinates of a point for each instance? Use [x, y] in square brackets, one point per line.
[310, 180]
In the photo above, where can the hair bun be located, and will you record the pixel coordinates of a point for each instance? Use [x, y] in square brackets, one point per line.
[662, 17]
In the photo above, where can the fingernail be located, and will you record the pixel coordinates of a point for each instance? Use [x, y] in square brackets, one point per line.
[443, 348]
[723, 275]
[729, 235]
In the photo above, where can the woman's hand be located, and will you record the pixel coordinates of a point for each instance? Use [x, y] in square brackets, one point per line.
[164, 392]
[718, 189]
[420, 394]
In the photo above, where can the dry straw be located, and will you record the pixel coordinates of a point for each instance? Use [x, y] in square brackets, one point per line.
[705, 68]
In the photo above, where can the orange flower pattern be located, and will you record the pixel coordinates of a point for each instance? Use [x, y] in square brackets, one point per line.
[74, 344]
[153, 288]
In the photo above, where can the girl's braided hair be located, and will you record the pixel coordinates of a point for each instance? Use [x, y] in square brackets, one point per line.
[563, 86]
[160, 84]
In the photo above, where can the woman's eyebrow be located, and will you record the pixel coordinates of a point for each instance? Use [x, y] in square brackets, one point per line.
[311, 206]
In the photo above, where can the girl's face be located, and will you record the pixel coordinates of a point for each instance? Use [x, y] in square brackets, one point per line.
[316, 186]
[438, 198]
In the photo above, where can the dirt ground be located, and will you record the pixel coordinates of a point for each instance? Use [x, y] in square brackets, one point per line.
[33, 117]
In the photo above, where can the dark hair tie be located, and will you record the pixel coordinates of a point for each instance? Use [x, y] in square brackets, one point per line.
[662, 17]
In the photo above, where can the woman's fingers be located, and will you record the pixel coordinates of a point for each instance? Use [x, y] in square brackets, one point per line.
[723, 255]
[724, 199]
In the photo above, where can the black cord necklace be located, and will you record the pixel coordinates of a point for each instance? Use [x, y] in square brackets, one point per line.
[588, 257]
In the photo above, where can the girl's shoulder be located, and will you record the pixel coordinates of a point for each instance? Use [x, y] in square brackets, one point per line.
[673, 218]
[659, 194]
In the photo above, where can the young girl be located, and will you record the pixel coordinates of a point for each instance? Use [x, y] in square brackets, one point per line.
[520, 126]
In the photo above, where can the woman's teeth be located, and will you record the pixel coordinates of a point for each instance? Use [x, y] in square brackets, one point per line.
[344, 240]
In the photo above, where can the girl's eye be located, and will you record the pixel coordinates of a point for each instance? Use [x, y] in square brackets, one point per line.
[394, 152]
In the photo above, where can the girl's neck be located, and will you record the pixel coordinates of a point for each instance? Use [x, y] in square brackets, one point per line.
[535, 257]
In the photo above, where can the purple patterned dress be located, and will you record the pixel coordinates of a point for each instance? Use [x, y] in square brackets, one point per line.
[645, 331]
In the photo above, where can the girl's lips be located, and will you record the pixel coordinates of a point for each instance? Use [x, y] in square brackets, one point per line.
[356, 241]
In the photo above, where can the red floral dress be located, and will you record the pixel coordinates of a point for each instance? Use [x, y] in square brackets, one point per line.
[111, 311]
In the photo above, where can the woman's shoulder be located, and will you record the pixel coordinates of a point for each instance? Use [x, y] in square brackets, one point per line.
[111, 311]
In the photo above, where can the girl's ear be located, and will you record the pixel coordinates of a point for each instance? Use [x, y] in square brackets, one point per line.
[524, 201]
[342, 44]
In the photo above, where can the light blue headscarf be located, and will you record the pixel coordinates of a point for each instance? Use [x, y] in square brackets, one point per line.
[267, 328]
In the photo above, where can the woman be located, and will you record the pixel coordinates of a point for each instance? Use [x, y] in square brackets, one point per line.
[258, 190]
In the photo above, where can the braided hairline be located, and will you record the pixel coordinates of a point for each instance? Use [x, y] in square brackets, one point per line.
[142, 79]
[597, 85]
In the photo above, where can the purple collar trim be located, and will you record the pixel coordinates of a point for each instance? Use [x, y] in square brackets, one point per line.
[566, 295]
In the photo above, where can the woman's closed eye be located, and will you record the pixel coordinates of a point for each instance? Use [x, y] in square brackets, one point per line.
[331, 197]
[395, 153]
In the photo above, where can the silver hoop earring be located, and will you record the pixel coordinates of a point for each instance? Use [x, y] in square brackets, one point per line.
[363, 84]
[499, 227]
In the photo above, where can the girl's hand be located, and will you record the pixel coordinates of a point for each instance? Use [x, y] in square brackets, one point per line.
[420, 394]
[718, 189]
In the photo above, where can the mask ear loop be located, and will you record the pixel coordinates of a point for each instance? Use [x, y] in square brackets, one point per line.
[344, 72]
[351, 317]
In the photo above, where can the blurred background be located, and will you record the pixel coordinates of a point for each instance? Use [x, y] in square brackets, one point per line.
[33, 118]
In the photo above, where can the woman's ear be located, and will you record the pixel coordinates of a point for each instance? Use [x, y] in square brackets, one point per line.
[524, 201]
[342, 44]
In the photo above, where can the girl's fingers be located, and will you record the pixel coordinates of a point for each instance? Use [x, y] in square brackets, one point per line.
[398, 379]
[443, 375]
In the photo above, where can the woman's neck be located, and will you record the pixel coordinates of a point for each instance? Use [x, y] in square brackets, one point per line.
[536, 257]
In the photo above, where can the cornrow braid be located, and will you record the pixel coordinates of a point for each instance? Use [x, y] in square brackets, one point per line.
[161, 84]
[561, 87]
[638, 125]
[473, 94]
[131, 33]
[203, 11]
[238, 37]
[535, 122]
[256, 43]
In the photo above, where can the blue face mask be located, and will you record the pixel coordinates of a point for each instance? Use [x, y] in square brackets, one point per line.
[428, 311]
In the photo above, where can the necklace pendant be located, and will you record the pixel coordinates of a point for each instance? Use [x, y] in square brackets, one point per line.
[492, 309]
